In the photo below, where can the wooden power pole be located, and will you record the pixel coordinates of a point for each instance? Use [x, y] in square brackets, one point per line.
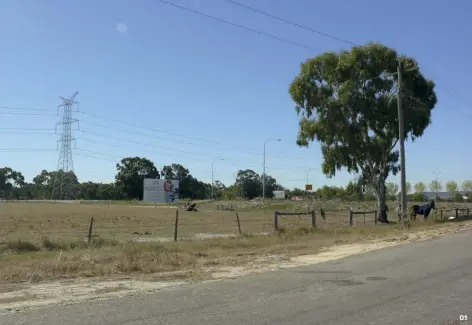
[401, 136]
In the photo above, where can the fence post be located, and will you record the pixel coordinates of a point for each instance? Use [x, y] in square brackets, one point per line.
[375, 216]
[231, 206]
[467, 212]
[239, 223]
[457, 213]
[441, 214]
[350, 218]
[313, 218]
[276, 223]
[364, 217]
[176, 227]
[90, 230]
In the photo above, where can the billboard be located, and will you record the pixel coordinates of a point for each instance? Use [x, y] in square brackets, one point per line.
[160, 190]
[279, 195]
[308, 187]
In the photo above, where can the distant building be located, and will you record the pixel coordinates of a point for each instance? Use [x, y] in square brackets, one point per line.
[442, 195]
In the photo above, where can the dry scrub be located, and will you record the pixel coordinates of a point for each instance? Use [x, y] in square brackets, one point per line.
[47, 241]
[24, 260]
[122, 223]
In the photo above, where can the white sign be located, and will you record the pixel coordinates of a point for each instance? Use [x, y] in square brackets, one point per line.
[279, 195]
[160, 190]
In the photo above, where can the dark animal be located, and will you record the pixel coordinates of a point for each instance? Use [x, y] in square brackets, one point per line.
[423, 210]
[190, 207]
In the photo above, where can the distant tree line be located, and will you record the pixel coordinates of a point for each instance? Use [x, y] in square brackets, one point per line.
[355, 192]
[131, 171]
[128, 184]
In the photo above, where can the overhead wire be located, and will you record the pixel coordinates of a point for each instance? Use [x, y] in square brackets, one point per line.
[239, 4]
[247, 7]
[235, 162]
[235, 25]
[246, 165]
[199, 145]
[26, 149]
[148, 128]
[121, 157]
[274, 37]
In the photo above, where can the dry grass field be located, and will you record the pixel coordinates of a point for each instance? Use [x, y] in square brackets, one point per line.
[44, 241]
[122, 223]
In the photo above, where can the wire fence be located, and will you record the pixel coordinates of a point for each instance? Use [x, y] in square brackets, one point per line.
[68, 222]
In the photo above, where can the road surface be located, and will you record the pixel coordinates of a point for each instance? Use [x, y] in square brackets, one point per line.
[426, 283]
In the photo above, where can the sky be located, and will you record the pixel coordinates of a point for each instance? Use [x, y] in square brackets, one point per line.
[202, 93]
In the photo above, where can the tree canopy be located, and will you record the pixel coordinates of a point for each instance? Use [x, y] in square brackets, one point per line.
[190, 188]
[131, 174]
[347, 102]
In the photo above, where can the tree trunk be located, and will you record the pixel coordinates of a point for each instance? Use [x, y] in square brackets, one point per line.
[381, 193]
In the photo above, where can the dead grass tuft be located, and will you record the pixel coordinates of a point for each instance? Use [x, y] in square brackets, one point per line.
[21, 246]
[55, 247]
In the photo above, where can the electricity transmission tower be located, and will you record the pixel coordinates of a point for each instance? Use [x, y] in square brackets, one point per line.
[62, 186]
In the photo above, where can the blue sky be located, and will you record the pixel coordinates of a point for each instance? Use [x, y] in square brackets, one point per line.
[185, 74]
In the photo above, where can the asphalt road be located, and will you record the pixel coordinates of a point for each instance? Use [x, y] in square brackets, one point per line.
[422, 283]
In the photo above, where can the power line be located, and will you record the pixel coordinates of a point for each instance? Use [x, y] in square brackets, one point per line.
[144, 144]
[280, 39]
[291, 22]
[148, 128]
[248, 152]
[121, 157]
[27, 129]
[27, 133]
[140, 143]
[212, 156]
[177, 141]
[141, 133]
[26, 109]
[19, 113]
[273, 36]
[108, 120]
[172, 140]
[26, 150]
[120, 146]
[222, 146]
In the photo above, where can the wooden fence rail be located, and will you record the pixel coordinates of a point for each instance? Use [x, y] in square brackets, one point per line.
[458, 212]
[224, 207]
[277, 214]
[352, 213]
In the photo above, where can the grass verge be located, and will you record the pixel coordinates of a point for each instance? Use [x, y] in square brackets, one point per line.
[23, 261]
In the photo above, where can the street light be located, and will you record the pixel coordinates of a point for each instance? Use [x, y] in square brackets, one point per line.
[212, 172]
[264, 166]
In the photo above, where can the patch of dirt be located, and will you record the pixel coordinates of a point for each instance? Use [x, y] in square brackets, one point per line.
[276, 262]
[67, 292]
[17, 298]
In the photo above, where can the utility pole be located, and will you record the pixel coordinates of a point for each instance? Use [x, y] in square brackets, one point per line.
[212, 172]
[65, 166]
[264, 166]
[401, 137]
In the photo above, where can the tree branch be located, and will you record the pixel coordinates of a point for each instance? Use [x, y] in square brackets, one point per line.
[393, 146]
